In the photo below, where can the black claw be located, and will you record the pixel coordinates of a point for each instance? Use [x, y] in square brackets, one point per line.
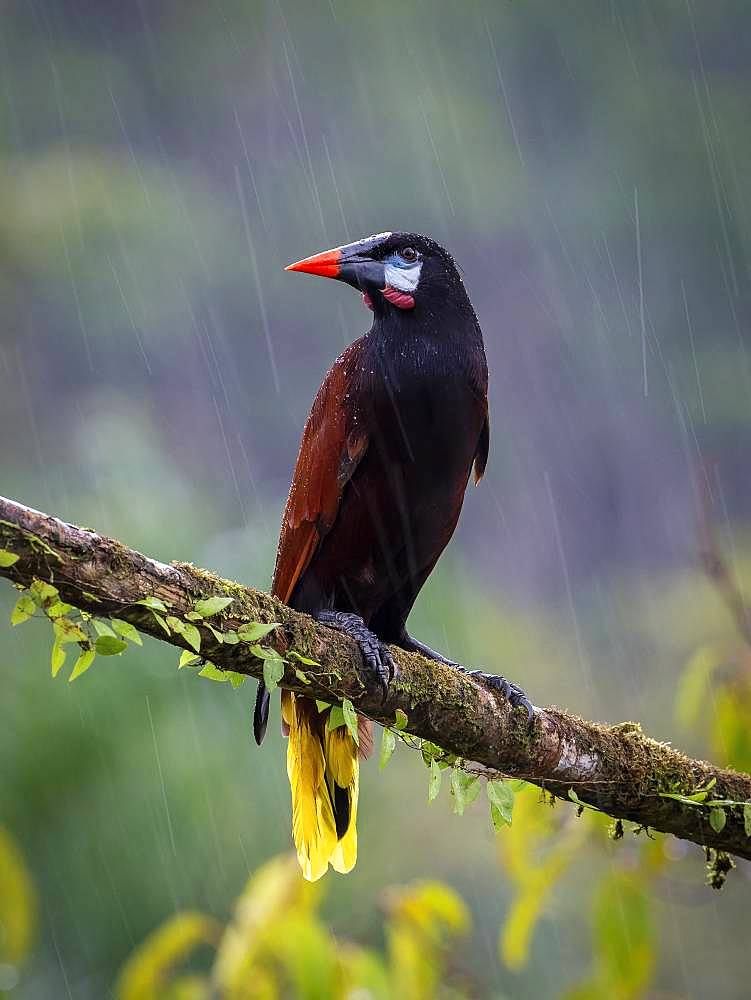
[376, 657]
[515, 696]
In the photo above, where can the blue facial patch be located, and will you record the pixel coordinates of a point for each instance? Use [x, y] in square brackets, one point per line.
[401, 274]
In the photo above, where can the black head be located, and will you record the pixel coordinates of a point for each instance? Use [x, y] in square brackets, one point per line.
[394, 271]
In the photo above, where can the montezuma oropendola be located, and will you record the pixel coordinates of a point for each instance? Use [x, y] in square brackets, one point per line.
[396, 428]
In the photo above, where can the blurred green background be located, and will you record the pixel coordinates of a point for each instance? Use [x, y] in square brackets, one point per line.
[160, 162]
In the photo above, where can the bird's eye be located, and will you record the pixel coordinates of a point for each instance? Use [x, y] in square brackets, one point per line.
[409, 254]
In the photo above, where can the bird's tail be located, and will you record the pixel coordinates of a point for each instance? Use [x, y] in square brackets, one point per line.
[323, 769]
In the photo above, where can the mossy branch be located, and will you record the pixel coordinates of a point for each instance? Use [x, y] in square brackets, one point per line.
[612, 768]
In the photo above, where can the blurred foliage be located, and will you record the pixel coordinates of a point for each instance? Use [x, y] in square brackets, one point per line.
[18, 912]
[534, 852]
[277, 946]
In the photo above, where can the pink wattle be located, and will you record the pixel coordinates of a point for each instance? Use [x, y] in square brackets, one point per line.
[397, 298]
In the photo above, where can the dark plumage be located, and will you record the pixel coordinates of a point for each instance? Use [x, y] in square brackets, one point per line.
[396, 429]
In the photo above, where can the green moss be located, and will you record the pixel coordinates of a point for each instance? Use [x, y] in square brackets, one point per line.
[719, 864]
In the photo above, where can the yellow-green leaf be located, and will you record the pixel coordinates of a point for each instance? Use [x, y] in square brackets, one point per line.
[350, 719]
[153, 603]
[42, 593]
[273, 671]
[162, 622]
[464, 789]
[501, 798]
[717, 819]
[126, 630]
[213, 673]
[401, 720]
[82, 664]
[109, 645]
[388, 744]
[67, 631]
[8, 558]
[187, 659]
[192, 636]
[57, 658]
[335, 719]
[254, 631]
[212, 606]
[434, 785]
[23, 610]
[58, 609]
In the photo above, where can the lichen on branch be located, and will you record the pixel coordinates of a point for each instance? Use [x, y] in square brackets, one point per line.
[615, 769]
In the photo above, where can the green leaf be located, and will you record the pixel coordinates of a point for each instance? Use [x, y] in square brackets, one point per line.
[301, 676]
[57, 658]
[464, 788]
[585, 805]
[717, 819]
[8, 558]
[335, 719]
[42, 593]
[192, 636]
[322, 705]
[214, 673]
[162, 622]
[67, 631]
[501, 798]
[237, 680]
[683, 799]
[434, 785]
[230, 638]
[189, 632]
[273, 671]
[215, 632]
[82, 664]
[153, 603]
[306, 660]
[58, 609]
[187, 659]
[212, 606]
[350, 719]
[102, 628]
[127, 631]
[401, 720]
[23, 610]
[193, 616]
[109, 645]
[254, 631]
[747, 818]
[388, 744]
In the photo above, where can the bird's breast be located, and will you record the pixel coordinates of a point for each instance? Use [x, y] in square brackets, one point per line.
[427, 417]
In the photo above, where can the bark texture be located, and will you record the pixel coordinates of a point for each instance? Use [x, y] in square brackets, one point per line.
[614, 768]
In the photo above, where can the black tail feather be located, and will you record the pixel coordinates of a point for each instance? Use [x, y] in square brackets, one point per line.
[261, 713]
[340, 803]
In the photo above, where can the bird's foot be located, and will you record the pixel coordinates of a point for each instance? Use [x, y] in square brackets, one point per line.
[375, 654]
[511, 692]
[412, 645]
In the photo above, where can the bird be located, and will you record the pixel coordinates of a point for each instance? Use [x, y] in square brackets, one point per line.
[397, 428]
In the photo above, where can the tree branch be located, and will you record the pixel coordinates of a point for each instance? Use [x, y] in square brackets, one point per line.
[614, 768]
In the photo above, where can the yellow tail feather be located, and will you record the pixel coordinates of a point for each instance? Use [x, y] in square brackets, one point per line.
[313, 756]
